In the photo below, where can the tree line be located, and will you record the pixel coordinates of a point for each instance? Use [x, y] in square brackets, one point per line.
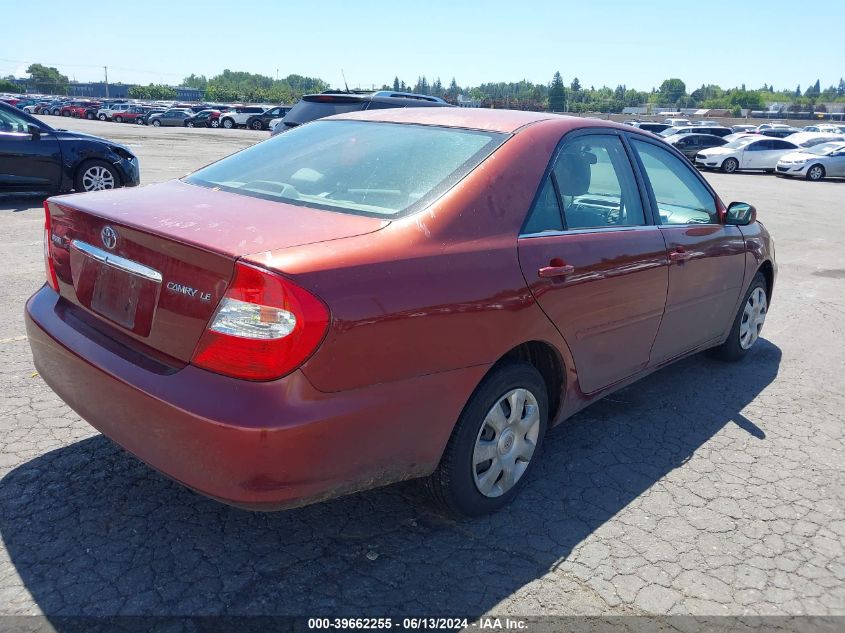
[557, 96]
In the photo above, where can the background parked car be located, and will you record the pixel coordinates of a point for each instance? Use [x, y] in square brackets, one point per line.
[238, 116]
[654, 128]
[779, 132]
[715, 130]
[809, 139]
[204, 118]
[690, 144]
[262, 121]
[34, 157]
[755, 152]
[170, 118]
[317, 106]
[815, 163]
[76, 109]
[743, 128]
[145, 118]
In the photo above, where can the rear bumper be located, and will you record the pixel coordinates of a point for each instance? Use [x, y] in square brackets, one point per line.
[257, 445]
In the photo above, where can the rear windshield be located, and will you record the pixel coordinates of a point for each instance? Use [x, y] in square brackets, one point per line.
[306, 111]
[359, 167]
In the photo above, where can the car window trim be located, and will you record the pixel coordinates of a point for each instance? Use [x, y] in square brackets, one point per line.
[598, 229]
[549, 173]
[655, 215]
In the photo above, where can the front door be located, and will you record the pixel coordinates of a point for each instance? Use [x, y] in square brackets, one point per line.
[27, 162]
[706, 257]
[594, 263]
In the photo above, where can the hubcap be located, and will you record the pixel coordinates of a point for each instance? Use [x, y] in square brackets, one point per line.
[815, 173]
[753, 317]
[730, 166]
[506, 443]
[97, 178]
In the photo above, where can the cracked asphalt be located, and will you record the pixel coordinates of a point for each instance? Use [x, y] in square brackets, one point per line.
[704, 489]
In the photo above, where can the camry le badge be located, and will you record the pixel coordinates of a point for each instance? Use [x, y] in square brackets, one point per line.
[182, 289]
[109, 237]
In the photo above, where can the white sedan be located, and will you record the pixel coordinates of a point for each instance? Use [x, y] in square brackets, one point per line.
[749, 152]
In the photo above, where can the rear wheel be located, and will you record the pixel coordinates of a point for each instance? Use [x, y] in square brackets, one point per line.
[816, 172]
[102, 117]
[257, 125]
[747, 324]
[139, 121]
[189, 124]
[156, 123]
[495, 442]
[90, 116]
[730, 165]
[96, 175]
[215, 123]
[118, 119]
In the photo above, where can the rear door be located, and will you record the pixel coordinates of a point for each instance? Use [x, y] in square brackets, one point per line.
[593, 261]
[706, 257]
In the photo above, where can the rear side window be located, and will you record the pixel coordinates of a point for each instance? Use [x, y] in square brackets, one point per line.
[545, 214]
[306, 111]
[680, 196]
[365, 168]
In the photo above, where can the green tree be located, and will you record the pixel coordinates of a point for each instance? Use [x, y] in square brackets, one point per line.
[840, 91]
[672, 90]
[9, 86]
[47, 79]
[575, 86]
[193, 81]
[396, 84]
[557, 94]
[814, 90]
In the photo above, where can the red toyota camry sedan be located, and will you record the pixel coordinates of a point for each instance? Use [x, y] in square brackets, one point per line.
[389, 295]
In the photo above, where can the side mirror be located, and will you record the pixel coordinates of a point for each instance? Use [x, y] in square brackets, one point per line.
[35, 131]
[741, 214]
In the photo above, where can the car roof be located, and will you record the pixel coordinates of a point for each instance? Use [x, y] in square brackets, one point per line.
[505, 121]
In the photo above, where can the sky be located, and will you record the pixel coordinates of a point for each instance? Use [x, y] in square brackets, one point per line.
[602, 42]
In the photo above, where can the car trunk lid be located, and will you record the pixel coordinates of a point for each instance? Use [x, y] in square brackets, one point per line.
[151, 264]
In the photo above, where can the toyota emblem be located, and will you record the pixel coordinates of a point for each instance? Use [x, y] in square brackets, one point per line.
[109, 237]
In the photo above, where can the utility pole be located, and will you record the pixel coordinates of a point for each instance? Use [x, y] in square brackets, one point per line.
[106, 69]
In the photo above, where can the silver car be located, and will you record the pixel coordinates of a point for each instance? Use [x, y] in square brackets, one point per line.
[815, 163]
[171, 118]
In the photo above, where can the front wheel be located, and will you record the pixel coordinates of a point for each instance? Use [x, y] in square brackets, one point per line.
[96, 175]
[189, 124]
[118, 119]
[747, 324]
[816, 172]
[102, 117]
[139, 121]
[257, 125]
[156, 123]
[90, 116]
[228, 124]
[495, 442]
[730, 165]
[215, 123]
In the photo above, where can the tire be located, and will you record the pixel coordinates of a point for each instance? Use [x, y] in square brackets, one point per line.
[215, 123]
[816, 173]
[118, 119]
[730, 165]
[229, 124]
[256, 125]
[96, 175]
[90, 116]
[189, 124]
[752, 312]
[459, 479]
[139, 121]
[102, 117]
[156, 123]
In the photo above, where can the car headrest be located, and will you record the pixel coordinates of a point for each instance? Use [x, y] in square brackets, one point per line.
[573, 173]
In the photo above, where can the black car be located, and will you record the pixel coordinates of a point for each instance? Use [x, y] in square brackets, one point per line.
[202, 118]
[262, 121]
[654, 128]
[35, 157]
[778, 132]
[690, 144]
[330, 102]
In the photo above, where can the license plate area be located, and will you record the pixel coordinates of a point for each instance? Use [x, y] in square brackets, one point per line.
[120, 290]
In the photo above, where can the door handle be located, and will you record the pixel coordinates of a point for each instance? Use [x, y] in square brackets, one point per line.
[556, 268]
[679, 255]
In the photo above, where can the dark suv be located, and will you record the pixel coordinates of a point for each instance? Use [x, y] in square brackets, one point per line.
[262, 121]
[330, 102]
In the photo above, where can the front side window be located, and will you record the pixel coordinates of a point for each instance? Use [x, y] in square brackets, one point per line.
[680, 196]
[365, 168]
[11, 122]
[596, 185]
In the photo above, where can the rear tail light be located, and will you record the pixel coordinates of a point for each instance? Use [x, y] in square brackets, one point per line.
[49, 266]
[265, 327]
